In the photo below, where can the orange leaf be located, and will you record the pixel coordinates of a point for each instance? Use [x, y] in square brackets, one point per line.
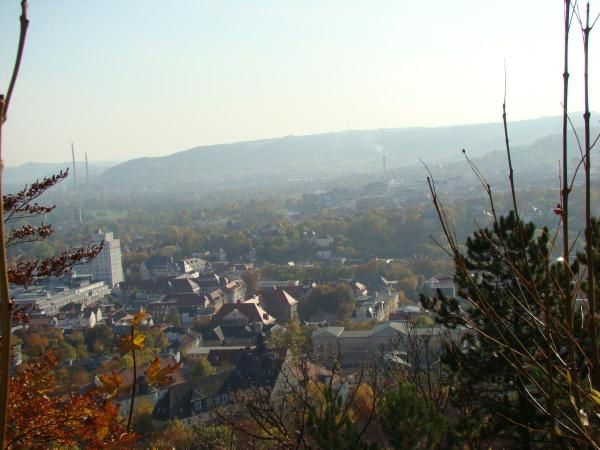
[157, 375]
[138, 317]
[110, 383]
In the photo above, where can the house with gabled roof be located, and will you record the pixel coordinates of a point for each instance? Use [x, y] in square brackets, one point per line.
[157, 266]
[169, 285]
[195, 401]
[241, 335]
[197, 264]
[195, 304]
[74, 315]
[209, 282]
[242, 314]
[238, 324]
[188, 342]
[280, 304]
[213, 337]
[91, 316]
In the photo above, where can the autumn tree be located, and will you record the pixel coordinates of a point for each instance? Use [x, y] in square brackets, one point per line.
[156, 374]
[251, 278]
[312, 407]
[213, 437]
[329, 424]
[100, 339]
[202, 368]
[331, 299]
[173, 317]
[528, 372]
[201, 436]
[17, 209]
[409, 421]
[291, 336]
[142, 418]
[41, 419]
[175, 434]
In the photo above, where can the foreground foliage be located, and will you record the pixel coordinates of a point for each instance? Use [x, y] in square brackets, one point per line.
[41, 419]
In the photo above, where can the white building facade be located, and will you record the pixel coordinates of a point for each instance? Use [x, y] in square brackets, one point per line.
[50, 301]
[107, 266]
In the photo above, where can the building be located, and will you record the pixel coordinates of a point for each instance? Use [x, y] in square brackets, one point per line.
[235, 291]
[239, 324]
[285, 284]
[107, 266]
[407, 312]
[377, 308]
[74, 316]
[243, 314]
[193, 306]
[210, 282]
[363, 347]
[157, 266]
[443, 284]
[280, 304]
[197, 264]
[196, 400]
[50, 298]
[145, 391]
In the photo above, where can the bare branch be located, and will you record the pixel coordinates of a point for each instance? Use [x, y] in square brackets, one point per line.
[21, 46]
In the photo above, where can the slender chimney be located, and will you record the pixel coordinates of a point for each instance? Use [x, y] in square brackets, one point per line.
[87, 172]
[75, 184]
[74, 168]
[383, 163]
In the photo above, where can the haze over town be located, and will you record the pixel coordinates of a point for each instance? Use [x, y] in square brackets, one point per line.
[131, 79]
[299, 225]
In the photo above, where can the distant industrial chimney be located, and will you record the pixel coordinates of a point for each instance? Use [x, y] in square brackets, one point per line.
[75, 184]
[74, 168]
[87, 172]
[383, 163]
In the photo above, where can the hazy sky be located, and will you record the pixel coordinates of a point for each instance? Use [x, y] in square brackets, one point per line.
[127, 78]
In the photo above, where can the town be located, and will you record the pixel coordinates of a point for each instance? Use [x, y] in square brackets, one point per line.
[299, 225]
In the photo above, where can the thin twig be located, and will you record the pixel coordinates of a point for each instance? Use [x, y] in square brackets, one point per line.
[21, 46]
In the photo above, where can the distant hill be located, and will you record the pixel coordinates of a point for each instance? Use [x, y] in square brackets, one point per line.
[322, 154]
[31, 171]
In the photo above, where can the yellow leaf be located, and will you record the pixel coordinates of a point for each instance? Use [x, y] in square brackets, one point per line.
[128, 344]
[138, 341]
[138, 317]
[595, 395]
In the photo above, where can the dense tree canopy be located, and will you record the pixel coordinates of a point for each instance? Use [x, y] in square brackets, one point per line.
[336, 299]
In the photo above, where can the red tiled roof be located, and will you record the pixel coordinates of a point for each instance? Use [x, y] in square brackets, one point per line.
[278, 296]
[169, 285]
[252, 311]
[188, 299]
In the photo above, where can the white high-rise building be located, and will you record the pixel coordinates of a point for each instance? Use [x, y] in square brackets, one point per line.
[107, 265]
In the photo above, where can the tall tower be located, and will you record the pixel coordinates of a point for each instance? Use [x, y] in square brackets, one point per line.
[75, 183]
[74, 168]
[383, 161]
[107, 265]
[87, 172]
